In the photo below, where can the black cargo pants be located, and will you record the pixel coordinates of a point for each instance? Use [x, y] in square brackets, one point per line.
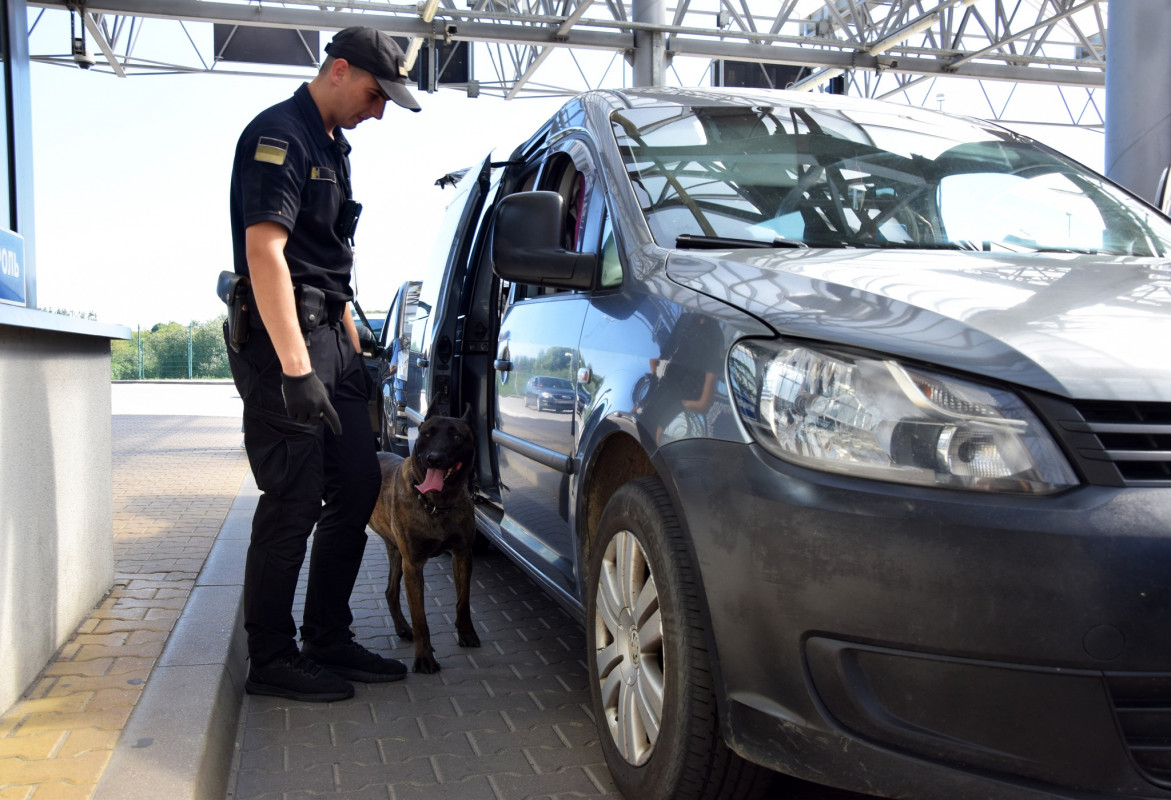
[307, 476]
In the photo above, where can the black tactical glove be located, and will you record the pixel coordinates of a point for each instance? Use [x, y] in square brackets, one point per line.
[307, 401]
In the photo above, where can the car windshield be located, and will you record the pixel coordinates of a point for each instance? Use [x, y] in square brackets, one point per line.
[720, 176]
[554, 383]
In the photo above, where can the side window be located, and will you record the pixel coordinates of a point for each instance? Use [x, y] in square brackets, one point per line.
[570, 172]
[417, 327]
[387, 332]
[562, 176]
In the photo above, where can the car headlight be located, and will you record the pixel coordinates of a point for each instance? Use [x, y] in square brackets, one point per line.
[878, 418]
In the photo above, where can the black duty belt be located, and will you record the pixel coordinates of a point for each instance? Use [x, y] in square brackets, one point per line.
[332, 312]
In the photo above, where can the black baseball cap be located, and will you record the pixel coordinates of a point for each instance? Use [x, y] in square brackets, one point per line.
[374, 51]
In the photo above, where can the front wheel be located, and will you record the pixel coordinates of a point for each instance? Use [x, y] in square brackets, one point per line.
[650, 676]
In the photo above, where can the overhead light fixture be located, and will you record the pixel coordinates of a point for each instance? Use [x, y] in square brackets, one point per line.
[817, 79]
[902, 34]
[81, 54]
[918, 26]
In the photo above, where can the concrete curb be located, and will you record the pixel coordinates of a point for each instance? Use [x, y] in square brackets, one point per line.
[180, 738]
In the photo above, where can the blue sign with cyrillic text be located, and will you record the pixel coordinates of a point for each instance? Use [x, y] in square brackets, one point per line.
[13, 283]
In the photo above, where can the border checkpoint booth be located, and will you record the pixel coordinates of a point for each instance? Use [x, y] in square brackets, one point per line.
[56, 493]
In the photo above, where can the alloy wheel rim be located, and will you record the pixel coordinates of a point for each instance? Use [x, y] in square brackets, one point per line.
[629, 640]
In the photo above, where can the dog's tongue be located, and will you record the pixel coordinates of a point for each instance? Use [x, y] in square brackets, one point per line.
[432, 483]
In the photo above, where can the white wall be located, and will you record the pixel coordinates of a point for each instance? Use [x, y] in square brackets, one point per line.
[56, 496]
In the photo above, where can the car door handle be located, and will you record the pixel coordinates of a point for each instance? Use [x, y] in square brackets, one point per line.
[502, 365]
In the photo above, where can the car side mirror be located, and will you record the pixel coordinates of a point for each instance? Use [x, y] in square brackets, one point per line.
[526, 244]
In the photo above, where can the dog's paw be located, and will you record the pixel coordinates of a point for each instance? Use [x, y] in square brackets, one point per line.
[405, 634]
[427, 665]
[469, 639]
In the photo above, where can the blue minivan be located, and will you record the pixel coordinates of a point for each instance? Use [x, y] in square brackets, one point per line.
[869, 481]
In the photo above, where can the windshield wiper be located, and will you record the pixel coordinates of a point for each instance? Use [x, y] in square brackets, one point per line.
[1075, 250]
[913, 245]
[688, 241]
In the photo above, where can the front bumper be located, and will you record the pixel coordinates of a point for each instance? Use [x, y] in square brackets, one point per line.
[930, 643]
[559, 403]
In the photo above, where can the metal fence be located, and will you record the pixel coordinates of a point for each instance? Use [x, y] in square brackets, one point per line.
[195, 350]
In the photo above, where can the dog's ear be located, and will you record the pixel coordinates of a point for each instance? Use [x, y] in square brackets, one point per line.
[467, 415]
[430, 411]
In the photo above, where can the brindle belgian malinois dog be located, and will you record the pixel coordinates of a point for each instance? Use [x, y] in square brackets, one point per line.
[424, 508]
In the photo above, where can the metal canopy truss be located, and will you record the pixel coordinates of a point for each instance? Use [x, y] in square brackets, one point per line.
[903, 50]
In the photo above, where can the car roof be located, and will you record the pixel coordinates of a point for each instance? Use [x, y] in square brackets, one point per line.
[739, 97]
[607, 101]
[601, 103]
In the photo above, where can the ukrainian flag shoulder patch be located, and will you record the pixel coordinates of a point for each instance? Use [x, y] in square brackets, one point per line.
[271, 151]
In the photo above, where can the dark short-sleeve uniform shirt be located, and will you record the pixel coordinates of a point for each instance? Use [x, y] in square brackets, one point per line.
[288, 170]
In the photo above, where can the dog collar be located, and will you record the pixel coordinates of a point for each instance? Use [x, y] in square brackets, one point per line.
[431, 507]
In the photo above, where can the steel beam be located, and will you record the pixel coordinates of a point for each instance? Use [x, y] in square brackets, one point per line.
[971, 39]
[902, 64]
[270, 16]
[99, 37]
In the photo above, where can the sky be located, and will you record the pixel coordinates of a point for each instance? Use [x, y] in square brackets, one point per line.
[131, 181]
[131, 186]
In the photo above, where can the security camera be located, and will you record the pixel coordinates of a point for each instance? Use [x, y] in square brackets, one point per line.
[81, 54]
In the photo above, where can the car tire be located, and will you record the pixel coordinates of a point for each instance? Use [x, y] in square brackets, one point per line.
[651, 686]
[386, 436]
[540, 406]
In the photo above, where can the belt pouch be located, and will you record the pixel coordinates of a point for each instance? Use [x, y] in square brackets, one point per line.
[310, 306]
[233, 289]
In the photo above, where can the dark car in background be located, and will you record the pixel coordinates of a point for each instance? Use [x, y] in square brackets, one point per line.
[545, 393]
[871, 482]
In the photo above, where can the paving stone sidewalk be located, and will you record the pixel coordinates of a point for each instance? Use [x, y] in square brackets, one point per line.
[504, 721]
[509, 720]
[174, 480]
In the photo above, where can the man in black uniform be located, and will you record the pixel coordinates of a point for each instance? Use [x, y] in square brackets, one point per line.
[292, 218]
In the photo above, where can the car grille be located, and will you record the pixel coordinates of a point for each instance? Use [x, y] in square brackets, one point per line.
[1143, 706]
[1135, 437]
[1115, 444]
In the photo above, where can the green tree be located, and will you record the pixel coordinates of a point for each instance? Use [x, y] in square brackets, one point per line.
[553, 361]
[166, 353]
[210, 354]
[166, 348]
[124, 359]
